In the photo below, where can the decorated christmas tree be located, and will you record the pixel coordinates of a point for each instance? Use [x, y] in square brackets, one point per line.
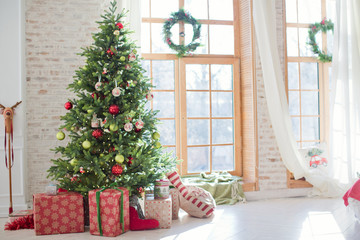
[112, 136]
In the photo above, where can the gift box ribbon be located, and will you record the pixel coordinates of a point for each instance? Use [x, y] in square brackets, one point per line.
[112, 186]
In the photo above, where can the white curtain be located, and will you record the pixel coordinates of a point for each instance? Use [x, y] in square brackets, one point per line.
[133, 17]
[345, 124]
[265, 29]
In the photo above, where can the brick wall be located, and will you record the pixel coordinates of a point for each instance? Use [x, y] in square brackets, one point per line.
[55, 32]
[272, 172]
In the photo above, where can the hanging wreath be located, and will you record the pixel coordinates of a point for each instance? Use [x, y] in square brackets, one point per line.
[323, 26]
[186, 17]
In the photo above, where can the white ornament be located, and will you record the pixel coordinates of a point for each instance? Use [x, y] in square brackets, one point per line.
[116, 92]
[128, 127]
[98, 86]
[149, 96]
[94, 122]
[139, 124]
[132, 57]
[127, 67]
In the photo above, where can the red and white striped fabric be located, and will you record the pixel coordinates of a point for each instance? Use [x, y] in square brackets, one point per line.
[194, 200]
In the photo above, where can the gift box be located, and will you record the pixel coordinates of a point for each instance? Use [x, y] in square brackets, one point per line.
[20, 213]
[159, 209]
[62, 213]
[109, 211]
[175, 205]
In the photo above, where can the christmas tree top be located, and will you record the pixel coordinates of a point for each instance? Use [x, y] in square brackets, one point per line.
[112, 136]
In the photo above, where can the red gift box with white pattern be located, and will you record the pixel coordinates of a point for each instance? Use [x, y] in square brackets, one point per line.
[159, 209]
[110, 210]
[62, 213]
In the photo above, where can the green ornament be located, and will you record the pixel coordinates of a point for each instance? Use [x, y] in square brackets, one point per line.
[73, 162]
[156, 136]
[86, 144]
[122, 58]
[119, 158]
[90, 110]
[157, 145]
[113, 127]
[60, 135]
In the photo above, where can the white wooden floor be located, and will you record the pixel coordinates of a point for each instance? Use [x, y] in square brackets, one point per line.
[276, 219]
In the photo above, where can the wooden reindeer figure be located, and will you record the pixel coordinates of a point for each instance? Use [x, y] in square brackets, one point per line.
[8, 113]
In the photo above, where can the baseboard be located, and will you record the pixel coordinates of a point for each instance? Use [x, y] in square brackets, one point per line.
[278, 193]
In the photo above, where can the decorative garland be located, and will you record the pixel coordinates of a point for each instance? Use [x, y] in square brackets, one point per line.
[323, 26]
[186, 17]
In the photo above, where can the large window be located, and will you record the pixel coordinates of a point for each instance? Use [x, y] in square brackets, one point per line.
[308, 79]
[198, 96]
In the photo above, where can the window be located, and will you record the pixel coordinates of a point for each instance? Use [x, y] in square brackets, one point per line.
[308, 80]
[198, 96]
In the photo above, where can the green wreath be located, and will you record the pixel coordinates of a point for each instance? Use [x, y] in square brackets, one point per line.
[186, 17]
[323, 26]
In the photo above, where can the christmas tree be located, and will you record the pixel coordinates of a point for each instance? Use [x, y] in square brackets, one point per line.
[112, 136]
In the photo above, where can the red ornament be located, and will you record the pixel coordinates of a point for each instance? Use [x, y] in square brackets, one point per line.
[97, 133]
[140, 190]
[82, 170]
[68, 105]
[109, 52]
[93, 95]
[74, 179]
[130, 160]
[138, 130]
[114, 109]
[119, 25]
[116, 170]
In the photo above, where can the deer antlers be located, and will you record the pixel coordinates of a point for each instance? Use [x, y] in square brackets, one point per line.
[2, 106]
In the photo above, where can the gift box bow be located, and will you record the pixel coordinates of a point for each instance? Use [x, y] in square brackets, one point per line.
[111, 186]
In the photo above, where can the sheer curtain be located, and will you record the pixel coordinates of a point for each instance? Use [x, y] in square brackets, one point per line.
[345, 124]
[133, 17]
[265, 28]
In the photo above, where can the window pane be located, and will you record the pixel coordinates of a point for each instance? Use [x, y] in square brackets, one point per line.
[198, 159]
[294, 103]
[203, 48]
[221, 10]
[163, 8]
[331, 9]
[305, 50]
[158, 44]
[222, 104]
[310, 128]
[163, 74]
[330, 42]
[295, 121]
[198, 8]
[309, 103]
[197, 104]
[309, 11]
[222, 131]
[145, 37]
[171, 150]
[198, 132]
[146, 66]
[292, 42]
[167, 132]
[221, 77]
[291, 11]
[309, 75]
[145, 8]
[221, 39]
[222, 158]
[165, 102]
[197, 76]
[293, 75]
[310, 144]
